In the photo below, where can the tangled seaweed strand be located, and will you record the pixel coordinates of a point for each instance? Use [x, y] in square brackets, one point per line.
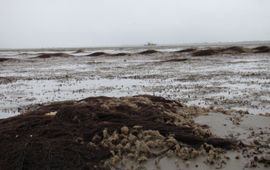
[57, 136]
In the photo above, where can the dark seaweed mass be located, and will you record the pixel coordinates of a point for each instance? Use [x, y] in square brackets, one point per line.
[38, 140]
[231, 50]
[146, 52]
[186, 50]
[5, 80]
[3, 59]
[79, 51]
[195, 52]
[95, 54]
[7, 59]
[120, 54]
[261, 49]
[50, 55]
[226, 50]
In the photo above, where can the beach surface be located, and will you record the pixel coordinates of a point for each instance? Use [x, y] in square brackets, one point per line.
[212, 105]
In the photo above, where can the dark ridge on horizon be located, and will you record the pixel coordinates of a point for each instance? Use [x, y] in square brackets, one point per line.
[138, 46]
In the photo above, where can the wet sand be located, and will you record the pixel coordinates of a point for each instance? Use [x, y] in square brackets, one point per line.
[239, 81]
[252, 130]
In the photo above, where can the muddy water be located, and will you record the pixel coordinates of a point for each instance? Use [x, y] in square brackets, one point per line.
[233, 82]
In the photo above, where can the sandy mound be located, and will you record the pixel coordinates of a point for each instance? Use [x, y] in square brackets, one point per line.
[97, 132]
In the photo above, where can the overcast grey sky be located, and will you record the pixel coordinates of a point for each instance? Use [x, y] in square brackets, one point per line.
[74, 23]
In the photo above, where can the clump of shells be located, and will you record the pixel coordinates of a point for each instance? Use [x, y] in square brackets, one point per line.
[139, 145]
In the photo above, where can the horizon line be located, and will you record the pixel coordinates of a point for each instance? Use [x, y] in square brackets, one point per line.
[143, 45]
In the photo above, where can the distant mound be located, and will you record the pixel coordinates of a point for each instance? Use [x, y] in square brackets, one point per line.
[205, 52]
[95, 54]
[146, 52]
[7, 59]
[79, 51]
[5, 80]
[186, 50]
[261, 49]
[216, 51]
[120, 54]
[234, 50]
[51, 55]
[4, 59]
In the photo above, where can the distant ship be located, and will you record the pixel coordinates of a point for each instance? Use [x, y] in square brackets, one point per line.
[150, 44]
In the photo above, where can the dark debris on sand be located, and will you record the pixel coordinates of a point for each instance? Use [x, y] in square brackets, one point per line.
[230, 50]
[7, 59]
[195, 52]
[79, 51]
[4, 59]
[58, 135]
[96, 54]
[261, 49]
[205, 52]
[51, 55]
[186, 50]
[5, 80]
[215, 51]
[120, 54]
[146, 52]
